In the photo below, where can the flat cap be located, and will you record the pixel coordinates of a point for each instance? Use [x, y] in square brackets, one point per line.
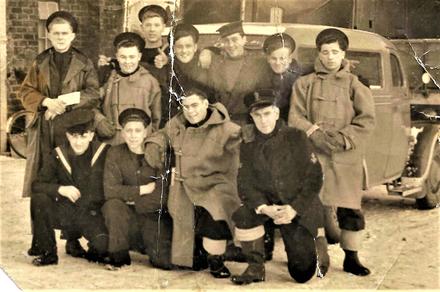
[278, 41]
[153, 10]
[231, 28]
[261, 98]
[78, 121]
[129, 37]
[64, 15]
[183, 30]
[133, 114]
[331, 35]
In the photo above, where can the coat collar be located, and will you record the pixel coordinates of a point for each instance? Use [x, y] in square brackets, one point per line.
[321, 71]
[138, 75]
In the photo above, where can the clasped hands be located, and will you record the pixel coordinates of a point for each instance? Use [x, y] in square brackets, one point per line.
[54, 107]
[281, 214]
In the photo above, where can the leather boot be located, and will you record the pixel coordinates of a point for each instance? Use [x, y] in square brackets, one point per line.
[353, 265]
[255, 272]
[74, 248]
[269, 243]
[47, 258]
[217, 267]
[323, 257]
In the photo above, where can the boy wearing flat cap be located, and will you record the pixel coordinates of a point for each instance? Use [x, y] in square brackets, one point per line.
[68, 192]
[203, 191]
[135, 209]
[229, 72]
[283, 69]
[278, 181]
[337, 112]
[129, 85]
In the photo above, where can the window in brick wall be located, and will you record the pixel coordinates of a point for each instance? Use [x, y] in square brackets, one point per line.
[44, 10]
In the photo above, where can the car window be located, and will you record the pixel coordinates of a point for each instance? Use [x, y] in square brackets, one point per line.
[396, 71]
[366, 65]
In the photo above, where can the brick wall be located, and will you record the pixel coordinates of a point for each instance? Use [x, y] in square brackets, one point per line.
[99, 21]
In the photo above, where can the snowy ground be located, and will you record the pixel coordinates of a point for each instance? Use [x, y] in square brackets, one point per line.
[401, 247]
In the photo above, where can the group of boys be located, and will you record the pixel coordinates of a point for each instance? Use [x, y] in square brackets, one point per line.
[200, 156]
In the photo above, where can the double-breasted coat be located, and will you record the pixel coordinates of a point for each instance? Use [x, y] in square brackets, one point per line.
[336, 102]
[81, 76]
[280, 168]
[205, 175]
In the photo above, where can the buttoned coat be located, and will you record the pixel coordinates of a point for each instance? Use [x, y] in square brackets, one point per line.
[205, 175]
[81, 76]
[337, 102]
[281, 169]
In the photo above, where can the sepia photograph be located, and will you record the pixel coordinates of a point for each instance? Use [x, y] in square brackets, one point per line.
[219, 145]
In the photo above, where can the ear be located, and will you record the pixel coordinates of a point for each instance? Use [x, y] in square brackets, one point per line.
[73, 36]
[195, 47]
[205, 102]
[343, 54]
[277, 112]
[92, 134]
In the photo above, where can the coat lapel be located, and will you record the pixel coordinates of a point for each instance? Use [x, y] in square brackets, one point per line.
[75, 67]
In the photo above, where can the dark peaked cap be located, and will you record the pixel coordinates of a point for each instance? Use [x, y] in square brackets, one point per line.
[129, 37]
[331, 35]
[77, 120]
[260, 98]
[64, 15]
[231, 28]
[278, 41]
[153, 10]
[133, 114]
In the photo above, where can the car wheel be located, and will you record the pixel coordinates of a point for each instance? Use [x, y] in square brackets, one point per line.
[332, 230]
[431, 187]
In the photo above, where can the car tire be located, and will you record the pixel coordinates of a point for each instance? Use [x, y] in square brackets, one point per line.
[431, 189]
[332, 230]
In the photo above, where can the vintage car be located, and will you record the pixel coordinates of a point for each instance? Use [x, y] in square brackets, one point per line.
[404, 150]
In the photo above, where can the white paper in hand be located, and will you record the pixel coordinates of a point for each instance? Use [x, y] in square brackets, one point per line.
[70, 98]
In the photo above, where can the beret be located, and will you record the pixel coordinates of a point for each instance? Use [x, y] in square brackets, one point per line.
[261, 98]
[331, 35]
[153, 10]
[183, 30]
[133, 114]
[77, 120]
[129, 37]
[64, 15]
[277, 41]
[231, 28]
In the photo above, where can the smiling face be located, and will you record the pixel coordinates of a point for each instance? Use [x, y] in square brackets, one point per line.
[134, 134]
[61, 35]
[80, 142]
[331, 56]
[185, 48]
[195, 108]
[128, 58]
[266, 118]
[280, 60]
[153, 28]
[233, 44]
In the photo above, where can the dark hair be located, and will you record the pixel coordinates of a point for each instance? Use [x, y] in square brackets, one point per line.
[128, 44]
[196, 91]
[332, 35]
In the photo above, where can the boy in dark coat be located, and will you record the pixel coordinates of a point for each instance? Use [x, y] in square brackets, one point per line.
[279, 180]
[68, 193]
[135, 209]
[59, 70]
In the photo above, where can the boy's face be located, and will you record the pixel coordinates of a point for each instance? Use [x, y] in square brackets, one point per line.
[134, 134]
[128, 59]
[234, 44]
[80, 142]
[195, 108]
[265, 118]
[280, 59]
[61, 36]
[153, 28]
[185, 48]
[331, 56]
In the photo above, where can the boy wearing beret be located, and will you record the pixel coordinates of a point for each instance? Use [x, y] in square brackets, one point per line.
[68, 192]
[279, 181]
[129, 85]
[337, 113]
[226, 74]
[135, 209]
